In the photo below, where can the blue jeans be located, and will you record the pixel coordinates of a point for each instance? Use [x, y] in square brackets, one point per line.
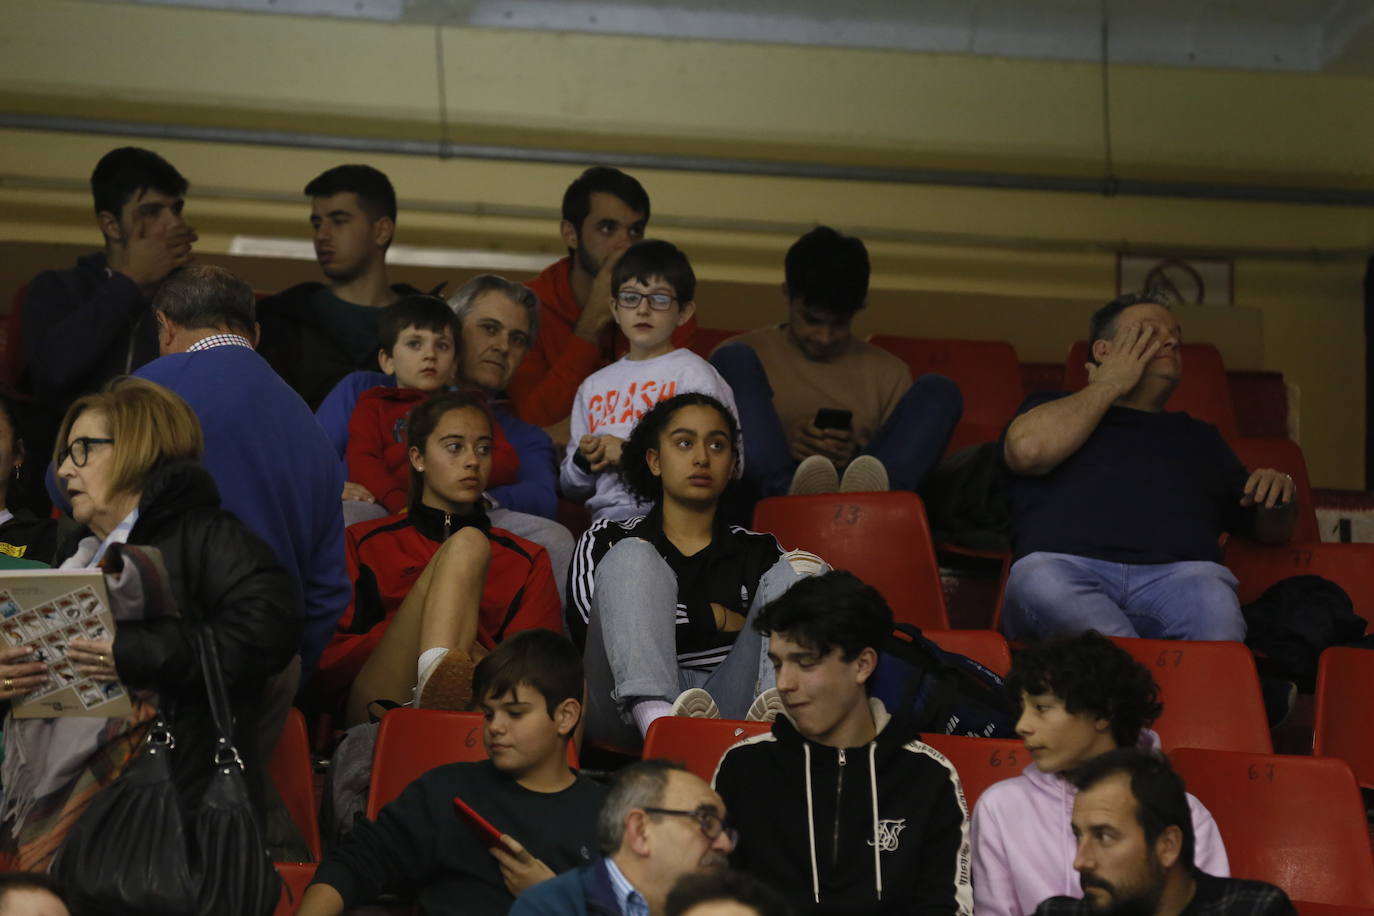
[1051, 594]
[631, 651]
[909, 443]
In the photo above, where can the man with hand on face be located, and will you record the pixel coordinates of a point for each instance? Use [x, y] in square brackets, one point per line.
[86, 325]
[657, 824]
[818, 403]
[1135, 849]
[314, 334]
[605, 211]
[1118, 504]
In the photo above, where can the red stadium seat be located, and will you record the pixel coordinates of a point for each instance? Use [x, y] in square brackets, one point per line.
[1345, 690]
[698, 743]
[707, 339]
[1297, 822]
[987, 372]
[980, 761]
[1330, 909]
[411, 742]
[294, 778]
[1204, 392]
[883, 538]
[1351, 566]
[1210, 692]
[985, 646]
[295, 877]
[1284, 455]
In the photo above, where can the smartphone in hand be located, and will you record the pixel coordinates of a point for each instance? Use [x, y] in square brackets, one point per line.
[488, 834]
[833, 418]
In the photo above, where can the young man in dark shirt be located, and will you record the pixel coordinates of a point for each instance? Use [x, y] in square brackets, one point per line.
[841, 806]
[85, 325]
[1134, 832]
[1118, 504]
[531, 695]
[314, 334]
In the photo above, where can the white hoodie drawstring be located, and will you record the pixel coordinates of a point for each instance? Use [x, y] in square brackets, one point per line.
[811, 826]
[877, 840]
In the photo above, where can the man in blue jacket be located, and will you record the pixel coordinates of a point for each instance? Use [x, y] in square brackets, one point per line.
[658, 823]
[274, 466]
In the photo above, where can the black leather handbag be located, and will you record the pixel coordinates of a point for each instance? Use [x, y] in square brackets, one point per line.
[134, 851]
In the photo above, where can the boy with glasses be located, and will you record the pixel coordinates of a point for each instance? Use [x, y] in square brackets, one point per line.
[658, 823]
[651, 297]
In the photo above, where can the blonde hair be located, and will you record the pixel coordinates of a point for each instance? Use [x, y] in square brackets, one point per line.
[148, 423]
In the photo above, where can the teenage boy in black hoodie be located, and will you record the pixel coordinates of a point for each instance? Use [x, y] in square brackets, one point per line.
[840, 805]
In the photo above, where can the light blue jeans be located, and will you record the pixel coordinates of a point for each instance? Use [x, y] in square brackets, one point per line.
[1052, 594]
[631, 651]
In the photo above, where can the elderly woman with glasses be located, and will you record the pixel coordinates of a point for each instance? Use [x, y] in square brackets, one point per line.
[126, 459]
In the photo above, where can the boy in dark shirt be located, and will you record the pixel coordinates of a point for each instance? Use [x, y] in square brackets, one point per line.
[531, 688]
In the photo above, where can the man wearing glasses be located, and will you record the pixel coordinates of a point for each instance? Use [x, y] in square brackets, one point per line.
[658, 823]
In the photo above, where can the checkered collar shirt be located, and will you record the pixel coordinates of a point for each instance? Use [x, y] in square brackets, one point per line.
[220, 340]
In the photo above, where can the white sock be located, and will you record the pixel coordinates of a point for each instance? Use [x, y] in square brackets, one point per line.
[646, 711]
[429, 660]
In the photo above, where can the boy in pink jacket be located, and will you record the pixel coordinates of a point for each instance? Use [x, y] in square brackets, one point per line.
[1081, 696]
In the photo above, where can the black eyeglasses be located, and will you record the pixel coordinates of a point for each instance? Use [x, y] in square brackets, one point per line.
[630, 299]
[712, 824]
[80, 449]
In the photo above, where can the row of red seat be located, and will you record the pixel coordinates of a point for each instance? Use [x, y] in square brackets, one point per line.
[885, 539]
[1212, 706]
[989, 375]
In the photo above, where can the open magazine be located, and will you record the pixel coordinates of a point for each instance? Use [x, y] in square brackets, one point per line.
[44, 609]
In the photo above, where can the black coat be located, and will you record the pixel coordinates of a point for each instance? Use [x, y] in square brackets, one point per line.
[28, 537]
[224, 575]
[82, 327]
[304, 351]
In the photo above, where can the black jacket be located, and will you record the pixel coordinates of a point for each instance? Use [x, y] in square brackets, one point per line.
[880, 828]
[83, 327]
[728, 574]
[29, 537]
[301, 349]
[224, 575]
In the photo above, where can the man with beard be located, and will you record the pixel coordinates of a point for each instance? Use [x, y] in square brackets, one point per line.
[314, 334]
[605, 211]
[657, 824]
[1135, 848]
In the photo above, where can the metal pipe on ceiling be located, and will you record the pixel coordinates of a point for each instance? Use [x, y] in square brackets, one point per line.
[1341, 197]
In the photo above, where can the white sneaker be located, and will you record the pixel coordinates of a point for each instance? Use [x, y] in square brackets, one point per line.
[696, 703]
[767, 706]
[865, 474]
[814, 475]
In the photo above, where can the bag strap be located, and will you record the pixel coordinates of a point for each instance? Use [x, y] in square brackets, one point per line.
[218, 697]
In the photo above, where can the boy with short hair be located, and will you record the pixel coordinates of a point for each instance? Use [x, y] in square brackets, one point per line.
[1081, 697]
[840, 805]
[651, 297]
[531, 696]
[418, 336]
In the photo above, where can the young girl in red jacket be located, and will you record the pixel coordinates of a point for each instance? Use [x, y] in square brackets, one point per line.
[437, 586]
